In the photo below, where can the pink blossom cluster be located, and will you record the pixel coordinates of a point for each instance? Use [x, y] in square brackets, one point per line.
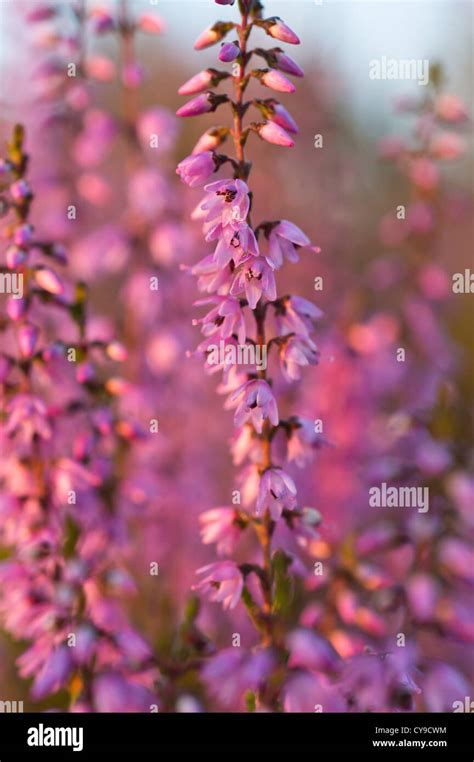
[63, 577]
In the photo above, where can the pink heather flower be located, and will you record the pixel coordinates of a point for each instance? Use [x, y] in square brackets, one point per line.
[256, 279]
[100, 68]
[311, 651]
[20, 190]
[255, 403]
[424, 174]
[226, 318]
[302, 442]
[286, 63]
[229, 202]
[209, 141]
[276, 491]
[297, 315]
[447, 146]
[275, 134]
[282, 241]
[102, 21]
[23, 235]
[450, 108]
[198, 83]
[282, 117]
[212, 34]
[303, 692]
[211, 277]
[49, 281]
[277, 28]
[114, 693]
[132, 75]
[196, 169]
[199, 105]
[236, 244]
[275, 80]
[150, 23]
[232, 672]
[15, 256]
[54, 673]
[225, 2]
[296, 352]
[224, 583]
[27, 340]
[42, 12]
[229, 52]
[16, 308]
[220, 525]
[28, 417]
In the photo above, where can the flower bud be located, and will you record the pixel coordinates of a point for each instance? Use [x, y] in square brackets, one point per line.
[275, 80]
[277, 28]
[27, 340]
[212, 34]
[48, 281]
[273, 133]
[229, 52]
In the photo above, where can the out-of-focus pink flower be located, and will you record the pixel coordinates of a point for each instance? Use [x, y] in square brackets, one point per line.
[303, 442]
[132, 75]
[220, 525]
[54, 673]
[255, 402]
[450, 108]
[234, 671]
[224, 583]
[276, 491]
[305, 692]
[447, 146]
[391, 147]
[28, 417]
[100, 68]
[149, 22]
[273, 133]
[48, 281]
[197, 168]
[310, 651]
[275, 80]
[424, 174]
[27, 339]
[114, 693]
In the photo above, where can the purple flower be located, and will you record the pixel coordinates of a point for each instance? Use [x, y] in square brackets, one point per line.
[296, 352]
[54, 673]
[273, 133]
[202, 104]
[255, 403]
[28, 417]
[236, 244]
[220, 525]
[311, 651]
[276, 491]
[286, 64]
[275, 80]
[197, 83]
[27, 339]
[226, 318]
[229, 52]
[297, 315]
[224, 583]
[277, 28]
[228, 202]
[302, 442]
[197, 168]
[282, 242]
[256, 279]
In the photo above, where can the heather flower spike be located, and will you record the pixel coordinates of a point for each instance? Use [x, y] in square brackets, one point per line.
[239, 276]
